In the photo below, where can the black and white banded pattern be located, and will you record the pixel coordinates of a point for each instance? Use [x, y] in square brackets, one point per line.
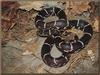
[53, 30]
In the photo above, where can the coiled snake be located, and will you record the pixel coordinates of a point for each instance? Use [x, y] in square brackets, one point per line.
[53, 30]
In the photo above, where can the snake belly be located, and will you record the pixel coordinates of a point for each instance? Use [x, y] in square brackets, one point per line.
[53, 30]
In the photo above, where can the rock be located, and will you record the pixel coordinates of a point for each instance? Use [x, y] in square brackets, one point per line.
[25, 24]
[10, 58]
[85, 66]
[31, 4]
[38, 5]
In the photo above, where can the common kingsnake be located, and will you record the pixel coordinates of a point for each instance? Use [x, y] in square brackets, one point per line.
[53, 30]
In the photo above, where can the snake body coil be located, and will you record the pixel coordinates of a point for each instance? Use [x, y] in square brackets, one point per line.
[53, 30]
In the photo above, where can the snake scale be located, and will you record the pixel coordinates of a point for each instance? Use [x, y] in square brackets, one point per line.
[53, 30]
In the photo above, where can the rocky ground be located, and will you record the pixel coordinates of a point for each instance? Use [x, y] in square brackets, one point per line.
[15, 62]
[19, 38]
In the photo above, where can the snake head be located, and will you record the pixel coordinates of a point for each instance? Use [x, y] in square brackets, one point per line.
[55, 31]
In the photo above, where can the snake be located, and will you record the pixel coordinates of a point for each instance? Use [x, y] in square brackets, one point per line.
[53, 31]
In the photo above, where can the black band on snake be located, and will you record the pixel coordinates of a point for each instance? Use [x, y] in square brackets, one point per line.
[53, 31]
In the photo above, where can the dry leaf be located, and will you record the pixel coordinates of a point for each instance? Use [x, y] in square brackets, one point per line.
[77, 7]
[40, 69]
[96, 24]
[91, 54]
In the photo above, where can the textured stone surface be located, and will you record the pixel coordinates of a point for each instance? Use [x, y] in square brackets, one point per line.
[14, 62]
